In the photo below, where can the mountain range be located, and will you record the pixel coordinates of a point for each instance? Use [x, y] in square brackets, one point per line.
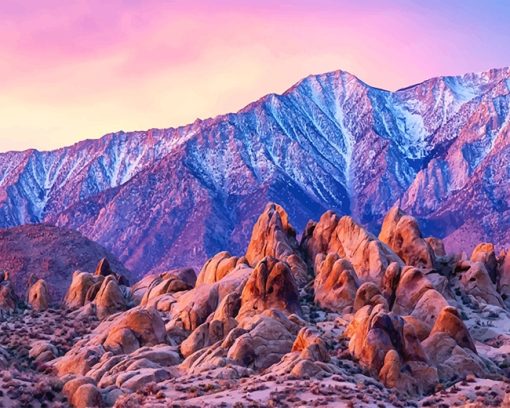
[165, 198]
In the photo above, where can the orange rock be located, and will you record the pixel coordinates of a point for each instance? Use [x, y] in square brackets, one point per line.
[274, 236]
[369, 294]
[218, 266]
[270, 285]
[335, 283]
[477, 282]
[38, 295]
[450, 322]
[368, 256]
[402, 234]
[485, 254]
[77, 292]
[110, 298]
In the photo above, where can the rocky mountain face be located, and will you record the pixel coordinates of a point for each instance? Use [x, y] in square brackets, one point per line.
[340, 317]
[168, 198]
[50, 253]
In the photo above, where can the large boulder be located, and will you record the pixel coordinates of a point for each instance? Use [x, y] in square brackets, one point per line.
[270, 285]
[343, 236]
[411, 287]
[38, 296]
[133, 329]
[274, 236]
[450, 322]
[121, 334]
[335, 283]
[477, 282]
[77, 293]
[219, 266]
[164, 283]
[185, 275]
[369, 294]
[194, 307]
[452, 361]
[308, 357]
[485, 254]
[402, 234]
[109, 299]
[265, 341]
[374, 333]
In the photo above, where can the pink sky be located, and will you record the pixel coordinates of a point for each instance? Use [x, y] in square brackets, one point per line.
[71, 70]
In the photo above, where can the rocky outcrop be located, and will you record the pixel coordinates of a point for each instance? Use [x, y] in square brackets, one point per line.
[241, 331]
[402, 234]
[335, 283]
[218, 266]
[103, 289]
[450, 322]
[194, 307]
[103, 268]
[167, 282]
[485, 254]
[368, 256]
[109, 298]
[416, 295]
[452, 350]
[271, 286]
[384, 344]
[273, 236]
[477, 282]
[309, 357]
[261, 341]
[136, 328]
[38, 296]
[77, 293]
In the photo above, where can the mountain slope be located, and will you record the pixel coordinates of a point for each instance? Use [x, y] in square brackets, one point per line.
[165, 198]
[52, 254]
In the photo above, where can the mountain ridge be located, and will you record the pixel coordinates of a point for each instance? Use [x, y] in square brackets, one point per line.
[329, 141]
[176, 128]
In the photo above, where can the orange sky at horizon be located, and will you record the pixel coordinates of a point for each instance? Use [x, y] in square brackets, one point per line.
[81, 70]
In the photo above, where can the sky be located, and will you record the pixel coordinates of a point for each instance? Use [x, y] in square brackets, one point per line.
[73, 70]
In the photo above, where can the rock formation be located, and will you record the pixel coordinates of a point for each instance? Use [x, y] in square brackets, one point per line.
[38, 295]
[270, 286]
[274, 236]
[368, 256]
[402, 234]
[218, 266]
[335, 283]
[369, 328]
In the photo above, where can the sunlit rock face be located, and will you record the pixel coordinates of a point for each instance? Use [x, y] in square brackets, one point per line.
[175, 197]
